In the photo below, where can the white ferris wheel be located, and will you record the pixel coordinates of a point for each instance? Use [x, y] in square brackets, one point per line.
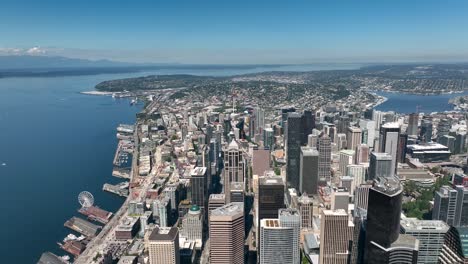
[86, 199]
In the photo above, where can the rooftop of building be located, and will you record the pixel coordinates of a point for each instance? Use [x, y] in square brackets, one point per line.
[164, 234]
[391, 125]
[407, 241]
[426, 146]
[288, 211]
[233, 145]
[389, 186]
[237, 186]
[338, 212]
[414, 224]
[228, 209]
[270, 223]
[309, 151]
[381, 155]
[199, 171]
[274, 180]
[218, 196]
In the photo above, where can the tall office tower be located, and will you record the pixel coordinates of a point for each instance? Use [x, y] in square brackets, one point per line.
[192, 226]
[359, 236]
[347, 183]
[160, 208]
[341, 141]
[353, 137]
[233, 166]
[369, 126]
[378, 118]
[227, 234]
[284, 115]
[451, 205]
[380, 166]
[343, 124]
[389, 137]
[454, 249]
[324, 148]
[460, 142]
[260, 160]
[268, 138]
[306, 210]
[276, 242]
[336, 233]
[308, 123]
[308, 170]
[362, 154]
[401, 153]
[431, 236]
[340, 200]
[198, 186]
[358, 172]
[172, 192]
[346, 158]
[361, 196]
[294, 137]
[426, 130]
[413, 124]
[332, 133]
[163, 246]
[384, 244]
[259, 114]
[270, 197]
[291, 218]
[445, 205]
[448, 141]
[443, 128]
[312, 140]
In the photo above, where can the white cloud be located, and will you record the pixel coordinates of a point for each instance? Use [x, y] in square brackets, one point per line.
[23, 51]
[36, 51]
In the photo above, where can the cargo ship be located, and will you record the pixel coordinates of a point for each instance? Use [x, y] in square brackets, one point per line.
[95, 213]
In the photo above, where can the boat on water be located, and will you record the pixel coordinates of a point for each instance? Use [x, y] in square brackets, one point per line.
[134, 101]
[3, 164]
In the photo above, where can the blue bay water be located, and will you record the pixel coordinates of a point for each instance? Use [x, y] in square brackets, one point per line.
[57, 142]
[406, 103]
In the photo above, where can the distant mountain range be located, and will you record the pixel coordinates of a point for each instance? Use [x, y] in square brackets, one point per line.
[27, 62]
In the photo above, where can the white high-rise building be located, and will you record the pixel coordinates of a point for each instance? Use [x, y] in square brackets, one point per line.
[358, 172]
[291, 218]
[368, 125]
[346, 158]
[431, 236]
[276, 242]
[192, 226]
[389, 137]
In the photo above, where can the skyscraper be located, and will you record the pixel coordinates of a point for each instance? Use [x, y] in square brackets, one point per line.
[192, 226]
[380, 166]
[324, 148]
[306, 210]
[268, 138]
[431, 235]
[346, 158]
[198, 184]
[389, 137]
[426, 130]
[353, 137]
[336, 233]
[276, 242]
[413, 124]
[233, 166]
[451, 205]
[227, 234]
[270, 197]
[401, 152]
[294, 137]
[361, 196]
[384, 244]
[308, 173]
[358, 172]
[362, 154]
[163, 246]
[291, 218]
[369, 126]
[308, 123]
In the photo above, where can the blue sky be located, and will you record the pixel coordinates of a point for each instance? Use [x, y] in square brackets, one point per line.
[238, 31]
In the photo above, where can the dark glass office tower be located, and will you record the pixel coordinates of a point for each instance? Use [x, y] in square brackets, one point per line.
[308, 123]
[384, 244]
[294, 137]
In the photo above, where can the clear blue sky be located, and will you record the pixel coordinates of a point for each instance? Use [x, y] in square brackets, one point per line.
[239, 31]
